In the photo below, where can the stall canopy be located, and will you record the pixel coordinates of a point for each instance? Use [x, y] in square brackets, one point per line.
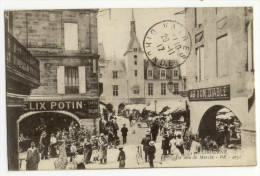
[228, 115]
[169, 105]
[137, 107]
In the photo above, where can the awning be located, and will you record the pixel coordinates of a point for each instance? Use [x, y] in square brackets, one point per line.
[173, 106]
[137, 107]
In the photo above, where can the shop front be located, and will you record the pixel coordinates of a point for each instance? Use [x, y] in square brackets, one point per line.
[53, 117]
[215, 112]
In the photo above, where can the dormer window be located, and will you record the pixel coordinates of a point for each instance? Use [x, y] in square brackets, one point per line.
[135, 49]
[150, 74]
[114, 74]
[162, 74]
[175, 73]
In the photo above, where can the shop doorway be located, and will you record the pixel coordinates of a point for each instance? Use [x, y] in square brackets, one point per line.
[220, 127]
[32, 124]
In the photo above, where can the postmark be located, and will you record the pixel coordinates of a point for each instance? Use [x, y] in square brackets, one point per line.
[167, 44]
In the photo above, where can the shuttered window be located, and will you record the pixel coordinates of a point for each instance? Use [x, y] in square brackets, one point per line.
[71, 80]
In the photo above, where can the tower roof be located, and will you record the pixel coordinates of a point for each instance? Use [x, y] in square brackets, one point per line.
[133, 16]
[133, 38]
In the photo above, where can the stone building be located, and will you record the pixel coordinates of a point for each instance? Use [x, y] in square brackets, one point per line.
[133, 79]
[220, 69]
[65, 43]
[22, 75]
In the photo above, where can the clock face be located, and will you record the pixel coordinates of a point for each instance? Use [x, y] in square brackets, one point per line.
[167, 44]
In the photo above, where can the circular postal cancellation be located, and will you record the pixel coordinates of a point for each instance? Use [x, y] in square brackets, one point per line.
[167, 44]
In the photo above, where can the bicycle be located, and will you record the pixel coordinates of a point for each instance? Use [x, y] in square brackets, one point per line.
[139, 155]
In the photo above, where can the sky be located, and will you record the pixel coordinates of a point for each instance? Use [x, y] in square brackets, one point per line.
[114, 33]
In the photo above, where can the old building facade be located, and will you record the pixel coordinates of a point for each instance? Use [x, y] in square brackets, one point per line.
[134, 80]
[220, 69]
[22, 75]
[65, 43]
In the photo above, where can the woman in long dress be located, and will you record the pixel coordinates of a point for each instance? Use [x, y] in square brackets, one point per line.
[62, 161]
[33, 158]
[102, 149]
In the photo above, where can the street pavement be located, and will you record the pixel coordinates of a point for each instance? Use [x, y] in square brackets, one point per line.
[230, 158]
[134, 138]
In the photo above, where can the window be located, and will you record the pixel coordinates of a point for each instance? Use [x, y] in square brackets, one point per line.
[150, 73]
[150, 88]
[71, 80]
[115, 90]
[71, 36]
[162, 74]
[222, 62]
[135, 49]
[135, 72]
[200, 63]
[163, 88]
[135, 56]
[136, 89]
[135, 62]
[176, 88]
[175, 73]
[114, 74]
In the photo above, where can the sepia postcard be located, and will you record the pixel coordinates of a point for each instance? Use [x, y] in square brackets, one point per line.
[129, 88]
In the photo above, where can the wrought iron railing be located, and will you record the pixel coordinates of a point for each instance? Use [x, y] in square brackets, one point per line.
[20, 59]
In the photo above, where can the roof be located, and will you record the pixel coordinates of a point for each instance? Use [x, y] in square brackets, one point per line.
[132, 41]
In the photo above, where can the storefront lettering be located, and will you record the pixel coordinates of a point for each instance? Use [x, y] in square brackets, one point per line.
[213, 93]
[58, 105]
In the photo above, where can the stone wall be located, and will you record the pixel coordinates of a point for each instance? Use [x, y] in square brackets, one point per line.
[225, 21]
[42, 31]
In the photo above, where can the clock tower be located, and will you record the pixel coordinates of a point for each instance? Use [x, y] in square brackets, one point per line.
[134, 62]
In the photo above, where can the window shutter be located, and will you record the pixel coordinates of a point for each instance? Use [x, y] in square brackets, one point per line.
[60, 80]
[82, 79]
[94, 66]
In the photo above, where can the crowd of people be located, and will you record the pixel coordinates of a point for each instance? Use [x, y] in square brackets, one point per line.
[75, 147]
[78, 144]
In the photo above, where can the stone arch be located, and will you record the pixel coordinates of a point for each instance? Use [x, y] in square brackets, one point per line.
[38, 112]
[207, 124]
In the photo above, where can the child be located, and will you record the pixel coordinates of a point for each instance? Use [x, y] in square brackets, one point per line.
[121, 157]
[95, 149]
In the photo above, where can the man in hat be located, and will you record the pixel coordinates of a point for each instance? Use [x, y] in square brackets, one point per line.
[121, 157]
[155, 129]
[53, 143]
[44, 143]
[124, 131]
[145, 143]
[151, 153]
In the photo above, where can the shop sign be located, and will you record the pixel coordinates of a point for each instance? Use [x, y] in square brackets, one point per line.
[87, 107]
[209, 94]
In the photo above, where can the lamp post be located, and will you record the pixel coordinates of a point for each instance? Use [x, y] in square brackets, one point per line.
[155, 102]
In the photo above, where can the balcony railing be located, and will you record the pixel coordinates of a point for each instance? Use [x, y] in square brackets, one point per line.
[20, 59]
